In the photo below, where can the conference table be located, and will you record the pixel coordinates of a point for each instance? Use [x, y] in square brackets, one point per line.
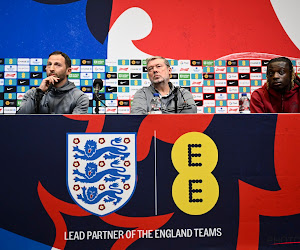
[195, 181]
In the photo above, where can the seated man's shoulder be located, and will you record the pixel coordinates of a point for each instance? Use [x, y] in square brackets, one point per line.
[30, 92]
[260, 91]
[77, 93]
[143, 91]
[185, 91]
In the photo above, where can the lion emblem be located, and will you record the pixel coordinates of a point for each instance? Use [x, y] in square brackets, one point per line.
[91, 196]
[91, 175]
[91, 152]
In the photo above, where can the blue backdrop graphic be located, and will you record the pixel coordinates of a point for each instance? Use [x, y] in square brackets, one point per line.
[35, 29]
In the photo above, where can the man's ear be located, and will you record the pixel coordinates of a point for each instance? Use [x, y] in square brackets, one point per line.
[69, 71]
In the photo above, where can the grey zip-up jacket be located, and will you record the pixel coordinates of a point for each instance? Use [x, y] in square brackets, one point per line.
[141, 101]
[64, 100]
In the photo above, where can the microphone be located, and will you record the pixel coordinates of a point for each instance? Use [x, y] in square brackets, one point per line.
[98, 85]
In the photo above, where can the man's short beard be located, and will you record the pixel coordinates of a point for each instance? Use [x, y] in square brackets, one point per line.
[159, 80]
[60, 79]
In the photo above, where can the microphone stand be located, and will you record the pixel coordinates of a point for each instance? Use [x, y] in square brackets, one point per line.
[97, 99]
[175, 99]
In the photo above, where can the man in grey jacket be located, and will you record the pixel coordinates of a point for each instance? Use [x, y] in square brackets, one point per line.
[159, 72]
[56, 94]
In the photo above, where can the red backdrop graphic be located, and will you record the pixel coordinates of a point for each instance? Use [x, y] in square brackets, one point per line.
[210, 29]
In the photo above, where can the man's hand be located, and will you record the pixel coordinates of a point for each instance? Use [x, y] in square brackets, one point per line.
[50, 80]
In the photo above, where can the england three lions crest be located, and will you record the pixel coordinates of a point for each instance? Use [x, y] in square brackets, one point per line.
[101, 170]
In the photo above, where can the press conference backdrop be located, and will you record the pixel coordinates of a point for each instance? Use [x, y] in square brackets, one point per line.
[224, 46]
[216, 85]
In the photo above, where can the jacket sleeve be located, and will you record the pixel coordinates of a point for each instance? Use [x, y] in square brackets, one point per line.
[139, 103]
[191, 105]
[256, 103]
[28, 103]
[82, 105]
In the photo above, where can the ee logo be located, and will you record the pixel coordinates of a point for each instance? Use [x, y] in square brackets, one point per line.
[195, 190]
